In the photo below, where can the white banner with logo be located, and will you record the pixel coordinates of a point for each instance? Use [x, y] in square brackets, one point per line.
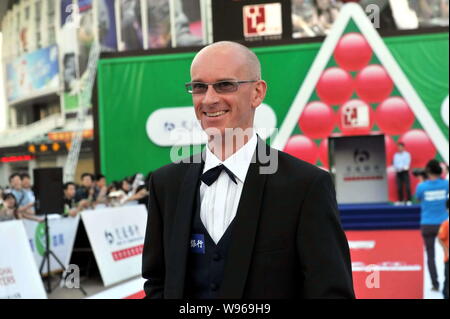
[19, 275]
[117, 240]
[62, 232]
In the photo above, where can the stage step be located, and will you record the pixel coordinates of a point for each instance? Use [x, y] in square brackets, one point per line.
[379, 216]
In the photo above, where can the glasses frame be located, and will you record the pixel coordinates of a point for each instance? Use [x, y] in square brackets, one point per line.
[213, 84]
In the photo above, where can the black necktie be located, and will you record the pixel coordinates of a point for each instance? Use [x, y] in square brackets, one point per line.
[211, 175]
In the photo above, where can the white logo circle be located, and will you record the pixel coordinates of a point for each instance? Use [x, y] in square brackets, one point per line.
[444, 111]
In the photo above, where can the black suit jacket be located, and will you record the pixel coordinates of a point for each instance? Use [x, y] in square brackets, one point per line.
[287, 240]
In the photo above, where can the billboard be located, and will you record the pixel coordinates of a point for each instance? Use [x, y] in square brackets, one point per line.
[32, 74]
[131, 25]
[131, 89]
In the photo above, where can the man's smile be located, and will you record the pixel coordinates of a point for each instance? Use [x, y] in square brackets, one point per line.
[215, 114]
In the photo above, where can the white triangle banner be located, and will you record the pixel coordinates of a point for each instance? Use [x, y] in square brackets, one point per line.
[355, 12]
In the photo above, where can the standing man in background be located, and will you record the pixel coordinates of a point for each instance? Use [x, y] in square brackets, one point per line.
[26, 186]
[402, 164]
[23, 201]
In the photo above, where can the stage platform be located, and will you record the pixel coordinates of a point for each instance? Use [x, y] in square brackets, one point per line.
[379, 216]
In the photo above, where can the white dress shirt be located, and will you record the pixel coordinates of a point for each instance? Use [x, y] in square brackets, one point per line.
[219, 202]
[402, 161]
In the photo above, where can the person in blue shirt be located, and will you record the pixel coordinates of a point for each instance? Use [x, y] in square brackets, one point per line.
[433, 195]
[402, 163]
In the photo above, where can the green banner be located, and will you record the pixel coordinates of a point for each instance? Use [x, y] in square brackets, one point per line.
[131, 89]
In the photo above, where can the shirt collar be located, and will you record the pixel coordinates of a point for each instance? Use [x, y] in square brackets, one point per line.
[238, 163]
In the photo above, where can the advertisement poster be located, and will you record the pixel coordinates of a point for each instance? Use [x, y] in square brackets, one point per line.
[19, 275]
[117, 240]
[131, 25]
[159, 28]
[62, 232]
[107, 25]
[78, 35]
[188, 23]
[32, 74]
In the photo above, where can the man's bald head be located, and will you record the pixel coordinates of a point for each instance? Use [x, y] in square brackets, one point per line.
[249, 59]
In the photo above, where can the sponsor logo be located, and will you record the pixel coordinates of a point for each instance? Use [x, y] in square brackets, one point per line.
[55, 240]
[262, 20]
[355, 116]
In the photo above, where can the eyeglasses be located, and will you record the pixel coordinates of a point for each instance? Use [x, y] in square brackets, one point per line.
[227, 86]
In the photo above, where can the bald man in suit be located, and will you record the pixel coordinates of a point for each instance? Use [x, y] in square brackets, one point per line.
[241, 219]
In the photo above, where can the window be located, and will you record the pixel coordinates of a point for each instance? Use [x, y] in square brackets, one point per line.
[51, 35]
[51, 7]
[38, 11]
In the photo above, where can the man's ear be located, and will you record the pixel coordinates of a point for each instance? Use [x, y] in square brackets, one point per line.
[259, 93]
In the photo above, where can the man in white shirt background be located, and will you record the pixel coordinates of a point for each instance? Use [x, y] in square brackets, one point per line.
[402, 164]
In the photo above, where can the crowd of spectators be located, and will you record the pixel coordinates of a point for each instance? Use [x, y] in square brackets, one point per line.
[17, 200]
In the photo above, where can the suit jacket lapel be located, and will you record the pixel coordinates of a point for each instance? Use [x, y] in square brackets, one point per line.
[179, 242]
[244, 231]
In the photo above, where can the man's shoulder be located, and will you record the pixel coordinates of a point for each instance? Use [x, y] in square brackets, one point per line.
[294, 166]
[177, 168]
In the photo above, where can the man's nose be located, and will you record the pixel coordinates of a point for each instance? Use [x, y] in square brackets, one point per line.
[210, 96]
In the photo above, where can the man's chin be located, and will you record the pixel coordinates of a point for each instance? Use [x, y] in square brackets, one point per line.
[213, 131]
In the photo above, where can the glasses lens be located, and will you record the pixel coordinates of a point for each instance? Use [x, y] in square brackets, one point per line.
[199, 87]
[225, 86]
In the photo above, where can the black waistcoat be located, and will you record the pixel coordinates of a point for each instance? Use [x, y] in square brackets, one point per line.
[206, 260]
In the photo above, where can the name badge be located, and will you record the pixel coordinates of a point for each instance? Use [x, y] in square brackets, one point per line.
[198, 243]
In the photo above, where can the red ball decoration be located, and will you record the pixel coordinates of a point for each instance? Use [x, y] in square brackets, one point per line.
[353, 52]
[394, 116]
[317, 120]
[355, 118]
[335, 86]
[420, 146]
[303, 148]
[392, 184]
[373, 84]
[391, 149]
[323, 153]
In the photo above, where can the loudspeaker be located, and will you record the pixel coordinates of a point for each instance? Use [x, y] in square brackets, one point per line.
[48, 190]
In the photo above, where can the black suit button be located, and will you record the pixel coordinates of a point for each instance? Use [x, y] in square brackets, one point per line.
[214, 287]
[216, 257]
